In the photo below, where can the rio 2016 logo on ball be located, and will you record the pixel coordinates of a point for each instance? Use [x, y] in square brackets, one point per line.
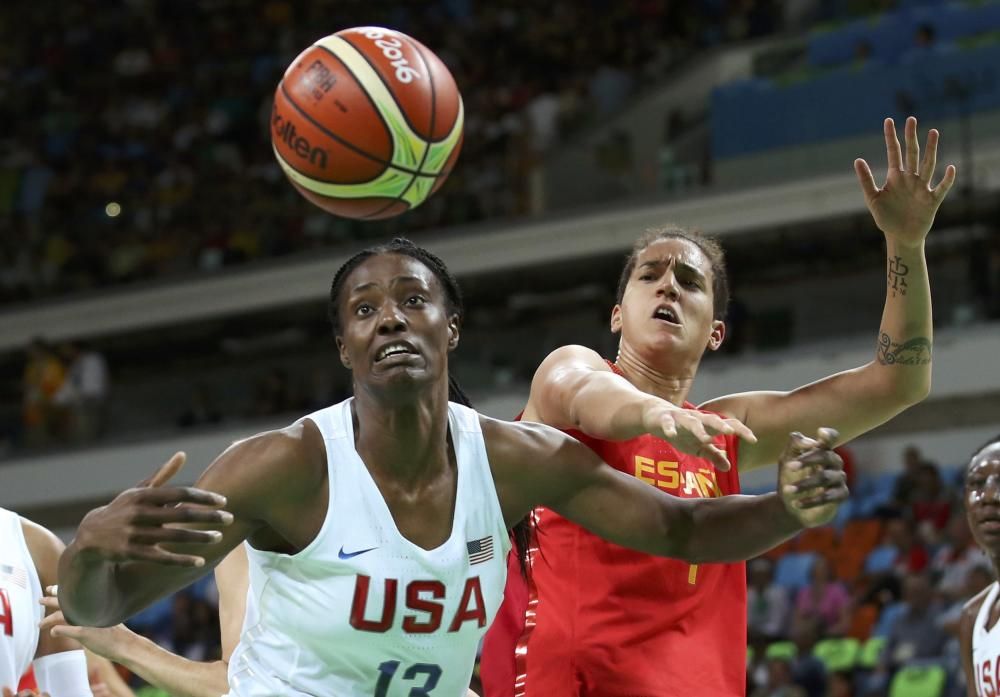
[367, 123]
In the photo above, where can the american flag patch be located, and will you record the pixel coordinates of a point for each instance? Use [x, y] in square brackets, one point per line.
[14, 574]
[480, 550]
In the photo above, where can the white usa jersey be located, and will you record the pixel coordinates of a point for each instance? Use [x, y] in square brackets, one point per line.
[20, 593]
[364, 611]
[986, 648]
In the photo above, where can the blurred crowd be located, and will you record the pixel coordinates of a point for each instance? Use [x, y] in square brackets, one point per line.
[138, 147]
[839, 611]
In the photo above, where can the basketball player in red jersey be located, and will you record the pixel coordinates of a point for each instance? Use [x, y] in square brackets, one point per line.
[596, 619]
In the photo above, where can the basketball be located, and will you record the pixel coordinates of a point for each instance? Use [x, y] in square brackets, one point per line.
[367, 123]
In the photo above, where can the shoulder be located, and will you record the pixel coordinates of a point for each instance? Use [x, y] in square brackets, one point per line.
[45, 549]
[971, 608]
[292, 455]
[578, 354]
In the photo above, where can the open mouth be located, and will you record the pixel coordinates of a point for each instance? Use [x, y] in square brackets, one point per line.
[396, 348]
[667, 314]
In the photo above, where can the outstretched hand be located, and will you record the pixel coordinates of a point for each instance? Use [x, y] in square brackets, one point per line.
[905, 206]
[692, 431]
[137, 521]
[108, 642]
[811, 479]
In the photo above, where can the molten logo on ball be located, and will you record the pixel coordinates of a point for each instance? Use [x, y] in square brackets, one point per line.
[285, 132]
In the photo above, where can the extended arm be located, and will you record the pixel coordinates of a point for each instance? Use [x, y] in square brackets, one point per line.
[575, 388]
[536, 465]
[899, 374]
[125, 557]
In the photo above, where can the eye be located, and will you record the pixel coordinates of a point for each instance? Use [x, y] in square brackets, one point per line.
[415, 300]
[647, 277]
[363, 310]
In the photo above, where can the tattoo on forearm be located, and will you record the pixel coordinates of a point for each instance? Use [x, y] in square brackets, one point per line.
[897, 276]
[916, 351]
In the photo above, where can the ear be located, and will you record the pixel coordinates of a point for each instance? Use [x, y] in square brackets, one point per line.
[717, 335]
[616, 319]
[453, 332]
[342, 349]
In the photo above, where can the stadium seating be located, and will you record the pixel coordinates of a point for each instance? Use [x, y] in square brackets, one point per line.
[918, 681]
[838, 654]
[871, 652]
[781, 649]
[792, 570]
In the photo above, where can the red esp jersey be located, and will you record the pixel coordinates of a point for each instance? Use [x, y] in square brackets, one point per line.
[598, 619]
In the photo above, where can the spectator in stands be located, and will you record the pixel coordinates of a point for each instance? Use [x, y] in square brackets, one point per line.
[272, 394]
[956, 559]
[906, 482]
[917, 633]
[808, 672]
[84, 393]
[930, 499]
[767, 604]
[779, 681]
[912, 555]
[840, 683]
[44, 374]
[977, 577]
[824, 599]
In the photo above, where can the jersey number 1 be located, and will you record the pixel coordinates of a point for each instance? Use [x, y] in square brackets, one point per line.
[6, 617]
[387, 670]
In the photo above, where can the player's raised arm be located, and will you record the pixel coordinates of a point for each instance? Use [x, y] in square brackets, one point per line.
[575, 388]
[536, 465]
[144, 545]
[899, 375]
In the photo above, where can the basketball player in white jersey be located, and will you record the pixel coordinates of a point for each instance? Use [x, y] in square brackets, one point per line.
[979, 634]
[377, 528]
[29, 559]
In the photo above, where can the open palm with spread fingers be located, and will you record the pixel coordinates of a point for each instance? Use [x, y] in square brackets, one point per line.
[905, 206]
[137, 521]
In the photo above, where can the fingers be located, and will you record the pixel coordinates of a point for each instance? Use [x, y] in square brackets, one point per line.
[893, 152]
[166, 471]
[715, 455]
[148, 515]
[157, 555]
[52, 621]
[866, 179]
[827, 437]
[942, 189]
[912, 145]
[68, 631]
[179, 494]
[153, 536]
[930, 157]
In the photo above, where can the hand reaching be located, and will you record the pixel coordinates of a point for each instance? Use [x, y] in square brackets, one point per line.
[108, 642]
[905, 206]
[692, 431]
[138, 520]
[811, 479]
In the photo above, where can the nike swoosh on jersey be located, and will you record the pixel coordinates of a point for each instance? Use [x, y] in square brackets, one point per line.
[347, 555]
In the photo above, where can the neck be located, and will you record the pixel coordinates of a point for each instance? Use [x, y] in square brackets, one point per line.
[403, 439]
[666, 383]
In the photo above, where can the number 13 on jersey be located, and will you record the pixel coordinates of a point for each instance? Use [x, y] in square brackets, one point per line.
[429, 672]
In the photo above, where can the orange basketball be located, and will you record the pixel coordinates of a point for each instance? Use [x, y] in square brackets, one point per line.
[367, 123]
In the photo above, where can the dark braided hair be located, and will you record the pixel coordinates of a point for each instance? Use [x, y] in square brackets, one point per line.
[453, 296]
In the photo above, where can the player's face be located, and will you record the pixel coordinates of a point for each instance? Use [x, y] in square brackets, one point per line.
[668, 302]
[982, 499]
[396, 328]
